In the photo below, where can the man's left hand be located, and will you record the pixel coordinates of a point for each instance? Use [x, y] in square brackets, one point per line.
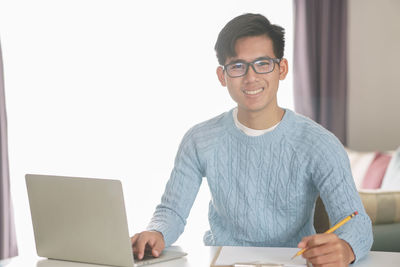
[325, 250]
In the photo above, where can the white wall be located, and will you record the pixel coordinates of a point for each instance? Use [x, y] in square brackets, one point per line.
[83, 98]
[374, 87]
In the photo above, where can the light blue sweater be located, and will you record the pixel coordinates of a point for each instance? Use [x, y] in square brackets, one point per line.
[263, 188]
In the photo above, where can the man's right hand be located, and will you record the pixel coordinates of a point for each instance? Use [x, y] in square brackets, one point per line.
[147, 241]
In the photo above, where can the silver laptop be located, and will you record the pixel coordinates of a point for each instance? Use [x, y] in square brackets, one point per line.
[83, 220]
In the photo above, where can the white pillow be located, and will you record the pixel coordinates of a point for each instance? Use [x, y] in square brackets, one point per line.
[391, 180]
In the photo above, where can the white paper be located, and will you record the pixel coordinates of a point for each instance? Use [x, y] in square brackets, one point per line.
[232, 255]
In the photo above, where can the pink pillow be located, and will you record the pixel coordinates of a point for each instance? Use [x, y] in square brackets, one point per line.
[376, 171]
[359, 162]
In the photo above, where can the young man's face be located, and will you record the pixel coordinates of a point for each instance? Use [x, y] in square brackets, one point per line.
[254, 92]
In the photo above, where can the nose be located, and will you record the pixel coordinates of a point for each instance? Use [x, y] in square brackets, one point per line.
[251, 75]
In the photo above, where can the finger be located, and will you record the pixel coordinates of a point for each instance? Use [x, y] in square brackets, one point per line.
[320, 239]
[158, 248]
[140, 246]
[323, 259]
[154, 246]
[148, 249]
[321, 250]
[304, 241]
[134, 238]
[327, 265]
[150, 243]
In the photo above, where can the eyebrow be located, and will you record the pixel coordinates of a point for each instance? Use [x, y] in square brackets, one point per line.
[244, 61]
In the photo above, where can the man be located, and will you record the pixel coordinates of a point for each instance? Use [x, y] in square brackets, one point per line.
[265, 165]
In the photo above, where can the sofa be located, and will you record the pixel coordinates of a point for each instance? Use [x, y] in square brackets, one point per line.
[377, 178]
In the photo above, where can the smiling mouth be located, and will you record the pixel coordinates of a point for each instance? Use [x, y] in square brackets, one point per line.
[253, 92]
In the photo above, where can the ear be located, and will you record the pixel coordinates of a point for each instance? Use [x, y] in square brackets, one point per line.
[221, 76]
[283, 69]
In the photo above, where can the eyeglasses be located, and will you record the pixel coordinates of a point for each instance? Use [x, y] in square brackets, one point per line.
[261, 66]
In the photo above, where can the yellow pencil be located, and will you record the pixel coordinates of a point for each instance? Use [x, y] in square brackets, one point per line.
[345, 220]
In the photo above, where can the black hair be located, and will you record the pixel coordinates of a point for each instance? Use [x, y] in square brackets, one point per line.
[244, 26]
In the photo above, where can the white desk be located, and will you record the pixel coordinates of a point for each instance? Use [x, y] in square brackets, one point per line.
[198, 256]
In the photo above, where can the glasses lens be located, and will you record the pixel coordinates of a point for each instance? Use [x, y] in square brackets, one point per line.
[264, 65]
[236, 69]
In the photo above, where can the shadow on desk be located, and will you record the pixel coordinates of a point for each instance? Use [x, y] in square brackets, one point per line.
[58, 263]
[181, 262]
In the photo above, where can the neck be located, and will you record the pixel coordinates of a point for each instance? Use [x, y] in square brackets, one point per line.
[260, 120]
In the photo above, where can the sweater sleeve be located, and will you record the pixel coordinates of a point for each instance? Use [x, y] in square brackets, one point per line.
[335, 183]
[170, 215]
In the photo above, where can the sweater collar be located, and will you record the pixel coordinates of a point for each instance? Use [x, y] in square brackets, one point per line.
[277, 133]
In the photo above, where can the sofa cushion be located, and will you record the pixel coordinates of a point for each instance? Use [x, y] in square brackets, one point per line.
[381, 206]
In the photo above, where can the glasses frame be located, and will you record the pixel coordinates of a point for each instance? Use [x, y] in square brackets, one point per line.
[274, 60]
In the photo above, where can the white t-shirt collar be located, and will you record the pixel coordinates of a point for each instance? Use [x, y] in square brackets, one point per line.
[248, 131]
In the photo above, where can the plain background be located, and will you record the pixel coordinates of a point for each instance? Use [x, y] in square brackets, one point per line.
[373, 121]
[107, 89]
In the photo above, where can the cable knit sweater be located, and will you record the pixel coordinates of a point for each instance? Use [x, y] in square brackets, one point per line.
[263, 188]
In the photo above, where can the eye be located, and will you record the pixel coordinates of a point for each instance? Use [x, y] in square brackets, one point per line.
[236, 66]
[262, 63]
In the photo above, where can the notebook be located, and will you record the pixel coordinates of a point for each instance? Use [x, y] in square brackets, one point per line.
[257, 256]
[83, 220]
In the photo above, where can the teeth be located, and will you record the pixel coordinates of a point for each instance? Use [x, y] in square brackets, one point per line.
[253, 92]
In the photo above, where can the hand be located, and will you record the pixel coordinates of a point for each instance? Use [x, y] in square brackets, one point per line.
[147, 241]
[325, 250]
